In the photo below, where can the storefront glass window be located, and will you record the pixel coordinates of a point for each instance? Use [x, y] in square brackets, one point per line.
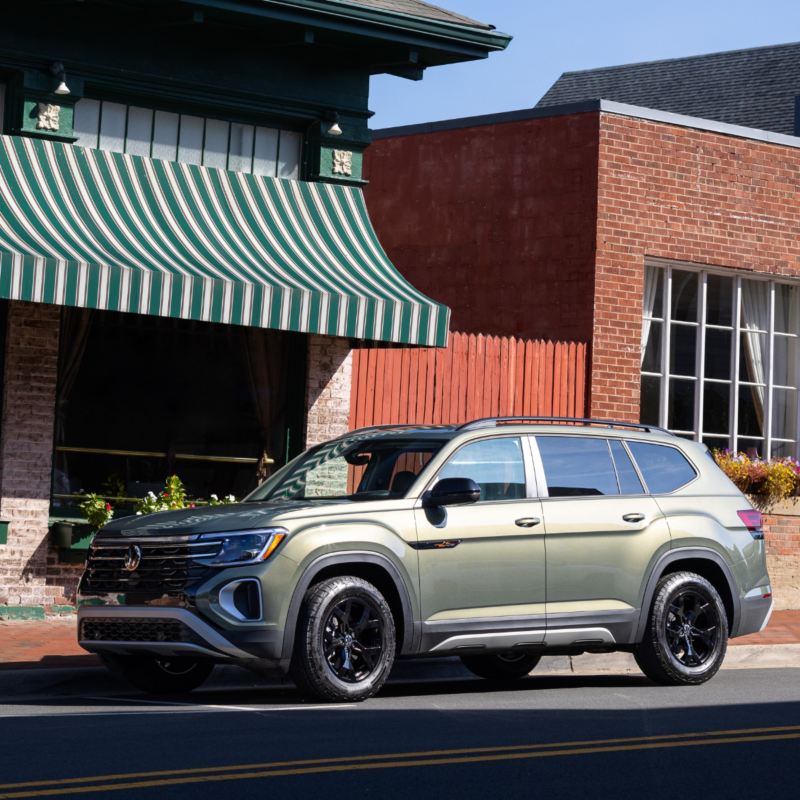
[721, 359]
[190, 139]
[141, 398]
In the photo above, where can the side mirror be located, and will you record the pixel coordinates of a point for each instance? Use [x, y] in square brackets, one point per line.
[453, 492]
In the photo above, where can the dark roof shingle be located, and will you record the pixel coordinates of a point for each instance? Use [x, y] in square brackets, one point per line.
[756, 87]
[417, 8]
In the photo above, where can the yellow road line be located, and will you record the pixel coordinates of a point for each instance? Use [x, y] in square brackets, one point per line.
[425, 758]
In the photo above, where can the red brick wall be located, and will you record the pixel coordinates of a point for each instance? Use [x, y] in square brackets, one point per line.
[26, 448]
[328, 377]
[783, 558]
[496, 221]
[687, 195]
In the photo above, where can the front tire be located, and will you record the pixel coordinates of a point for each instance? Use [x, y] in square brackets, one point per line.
[164, 675]
[687, 632]
[501, 666]
[345, 641]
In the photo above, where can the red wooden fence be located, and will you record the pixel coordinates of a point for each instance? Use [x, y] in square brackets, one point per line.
[474, 376]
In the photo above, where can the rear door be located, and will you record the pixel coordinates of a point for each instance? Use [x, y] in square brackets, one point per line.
[602, 533]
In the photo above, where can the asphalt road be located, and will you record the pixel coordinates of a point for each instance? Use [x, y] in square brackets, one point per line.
[557, 736]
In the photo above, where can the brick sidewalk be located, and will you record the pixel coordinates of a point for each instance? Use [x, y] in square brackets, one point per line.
[52, 643]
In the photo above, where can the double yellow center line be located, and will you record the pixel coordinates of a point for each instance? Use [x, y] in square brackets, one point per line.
[425, 758]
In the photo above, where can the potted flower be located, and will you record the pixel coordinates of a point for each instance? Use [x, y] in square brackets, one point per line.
[766, 482]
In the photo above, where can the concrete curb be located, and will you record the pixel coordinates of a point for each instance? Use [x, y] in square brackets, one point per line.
[746, 656]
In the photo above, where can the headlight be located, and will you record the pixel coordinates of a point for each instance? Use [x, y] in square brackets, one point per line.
[243, 547]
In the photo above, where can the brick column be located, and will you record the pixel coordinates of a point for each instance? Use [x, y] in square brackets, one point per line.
[26, 453]
[328, 379]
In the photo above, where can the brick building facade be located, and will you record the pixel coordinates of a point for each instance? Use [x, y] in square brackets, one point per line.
[574, 205]
[185, 256]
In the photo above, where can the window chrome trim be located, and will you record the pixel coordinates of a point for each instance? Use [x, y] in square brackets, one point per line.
[538, 465]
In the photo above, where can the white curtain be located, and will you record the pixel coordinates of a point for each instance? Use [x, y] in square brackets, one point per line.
[755, 316]
[651, 276]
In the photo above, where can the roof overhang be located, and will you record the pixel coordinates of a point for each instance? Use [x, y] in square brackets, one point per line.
[332, 22]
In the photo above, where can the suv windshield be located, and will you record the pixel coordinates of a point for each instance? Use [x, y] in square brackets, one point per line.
[370, 468]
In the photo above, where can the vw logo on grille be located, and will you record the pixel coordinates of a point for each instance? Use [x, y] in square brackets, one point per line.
[132, 558]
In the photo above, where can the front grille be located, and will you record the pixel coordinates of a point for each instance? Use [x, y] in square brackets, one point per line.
[98, 629]
[165, 567]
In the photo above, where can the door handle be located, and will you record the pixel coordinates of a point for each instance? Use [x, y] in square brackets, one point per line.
[635, 517]
[527, 522]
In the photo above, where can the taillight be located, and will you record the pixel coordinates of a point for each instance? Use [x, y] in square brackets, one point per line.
[752, 521]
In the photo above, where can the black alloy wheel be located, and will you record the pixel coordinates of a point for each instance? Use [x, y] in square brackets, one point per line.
[344, 642]
[353, 639]
[686, 637]
[692, 628]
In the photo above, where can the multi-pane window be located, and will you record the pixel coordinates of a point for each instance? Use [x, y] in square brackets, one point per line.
[720, 359]
[187, 138]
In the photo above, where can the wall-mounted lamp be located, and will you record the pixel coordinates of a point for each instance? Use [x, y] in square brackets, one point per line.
[334, 129]
[57, 68]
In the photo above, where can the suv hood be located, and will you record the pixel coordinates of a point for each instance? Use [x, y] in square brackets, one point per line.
[211, 519]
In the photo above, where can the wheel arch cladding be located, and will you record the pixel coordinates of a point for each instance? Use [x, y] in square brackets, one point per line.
[371, 567]
[713, 573]
[706, 563]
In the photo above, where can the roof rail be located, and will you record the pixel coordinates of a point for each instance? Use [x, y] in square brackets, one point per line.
[492, 422]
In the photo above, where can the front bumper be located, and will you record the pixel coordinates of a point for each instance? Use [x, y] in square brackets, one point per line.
[158, 630]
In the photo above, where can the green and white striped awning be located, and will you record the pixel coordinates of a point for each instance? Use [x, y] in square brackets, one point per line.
[97, 229]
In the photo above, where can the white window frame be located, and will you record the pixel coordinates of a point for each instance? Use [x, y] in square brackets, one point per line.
[663, 316]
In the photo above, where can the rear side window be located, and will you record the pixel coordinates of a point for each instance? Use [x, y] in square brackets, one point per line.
[665, 469]
[629, 482]
[577, 466]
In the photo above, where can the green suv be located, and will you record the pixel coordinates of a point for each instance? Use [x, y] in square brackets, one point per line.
[498, 541]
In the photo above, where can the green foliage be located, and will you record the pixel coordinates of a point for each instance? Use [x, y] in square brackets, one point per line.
[766, 481]
[224, 501]
[114, 486]
[96, 510]
[173, 497]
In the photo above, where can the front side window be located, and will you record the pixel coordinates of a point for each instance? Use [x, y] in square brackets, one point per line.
[720, 359]
[496, 465]
[664, 468]
[577, 466]
[353, 468]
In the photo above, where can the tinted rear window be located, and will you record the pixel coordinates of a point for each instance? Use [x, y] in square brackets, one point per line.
[577, 466]
[665, 469]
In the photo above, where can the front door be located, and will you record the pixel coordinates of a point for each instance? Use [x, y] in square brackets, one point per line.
[602, 533]
[482, 566]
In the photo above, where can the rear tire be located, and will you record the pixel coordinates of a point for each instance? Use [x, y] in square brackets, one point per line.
[345, 641]
[165, 675]
[501, 666]
[687, 632]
